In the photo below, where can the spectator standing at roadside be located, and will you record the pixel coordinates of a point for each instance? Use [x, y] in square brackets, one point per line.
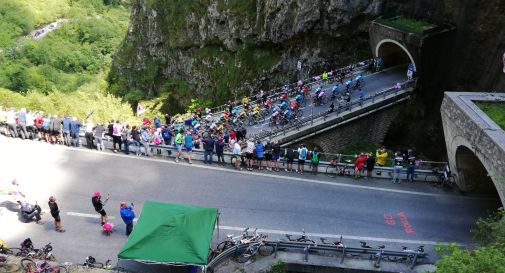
[249, 154]
[276, 155]
[66, 130]
[220, 150]
[136, 140]
[411, 165]
[268, 156]
[168, 120]
[145, 137]
[127, 214]
[290, 158]
[56, 128]
[99, 205]
[359, 164]
[110, 128]
[188, 144]
[126, 136]
[208, 146]
[315, 160]
[117, 128]
[237, 152]
[397, 168]
[55, 213]
[178, 145]
[166, 134]
[89, 134]
[370, 164]
[302, 156]
[75, 127]
[11, 122]
[22, 122]
[157, 122]
[98, 134]
[259, 153]
[382, 156]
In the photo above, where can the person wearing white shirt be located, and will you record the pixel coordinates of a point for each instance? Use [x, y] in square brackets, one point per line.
[89, 134]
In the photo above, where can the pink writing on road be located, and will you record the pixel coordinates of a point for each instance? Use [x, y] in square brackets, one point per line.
[405, 222]
[389, 219]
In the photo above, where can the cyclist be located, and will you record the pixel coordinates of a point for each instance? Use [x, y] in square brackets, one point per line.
[331, 108]
[348, 84]
[361, 94]
[335, 90]
[299, 98]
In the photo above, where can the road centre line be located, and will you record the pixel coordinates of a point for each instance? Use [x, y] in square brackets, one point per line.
[277, 177]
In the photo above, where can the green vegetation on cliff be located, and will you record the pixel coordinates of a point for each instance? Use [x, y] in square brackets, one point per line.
[495, 110]
[70, 63]
[489, 257]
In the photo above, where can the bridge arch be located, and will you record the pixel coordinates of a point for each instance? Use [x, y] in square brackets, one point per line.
[472, 172]
[393, 53]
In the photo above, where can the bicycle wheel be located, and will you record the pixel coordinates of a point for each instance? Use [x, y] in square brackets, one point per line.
[28, 265]
[331, 171]
[59, 269]
[307, 241]
[224, 246]
[244, 257]
[9, 268]
[266, 250]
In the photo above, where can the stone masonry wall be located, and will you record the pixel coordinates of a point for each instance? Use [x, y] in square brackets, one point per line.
[368, 129]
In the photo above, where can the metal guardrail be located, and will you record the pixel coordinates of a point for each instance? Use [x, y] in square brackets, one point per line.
[358, 67]
[353, 252]
[338, 110]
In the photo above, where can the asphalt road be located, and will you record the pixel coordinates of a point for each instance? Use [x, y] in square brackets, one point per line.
[373, 210]
[373, 83]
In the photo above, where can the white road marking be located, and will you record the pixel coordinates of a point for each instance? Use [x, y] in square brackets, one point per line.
[349, 237]
[86, 215]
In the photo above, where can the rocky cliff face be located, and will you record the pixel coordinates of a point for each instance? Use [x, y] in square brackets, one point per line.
[219, 49]
[214, 50]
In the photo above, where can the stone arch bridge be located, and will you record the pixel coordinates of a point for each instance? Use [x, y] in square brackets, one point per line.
[475, 144]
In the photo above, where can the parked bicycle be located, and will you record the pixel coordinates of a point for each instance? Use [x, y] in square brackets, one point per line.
[411, 253]
[6, 267]
[304, 238]
[253, 248]
[377, 257]
[30, 266]
[333, 169]
[339, 243]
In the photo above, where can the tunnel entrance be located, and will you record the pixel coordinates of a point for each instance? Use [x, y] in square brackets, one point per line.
[393, 53]
[473, 173]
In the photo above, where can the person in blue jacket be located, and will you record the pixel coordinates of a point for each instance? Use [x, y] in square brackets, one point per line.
[127, 214]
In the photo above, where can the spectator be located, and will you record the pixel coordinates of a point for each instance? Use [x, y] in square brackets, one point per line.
[178, 145]
[370, 164]
[47, 130]
[397, 167]
[126, 136]
[22, 122]
[382, 156]
[249, 154]
[11, 122]
[127, 214]
[55, 213]
[237, 152]
[66, 130]
[117, 128]
[136, 140]
[98, 132]
[302, 156]
[315, 161]
[259, 153]
[208, 146]
[96, 200]
[411, 165]
[290, 158]
[268, 156]
[89, 134]
[276, 155]
[168, 120]
[244, 132]
[75, 127]
[29, 211]
[55, 125]
[145, 137]
[166, 134]
[17, 194]
[188, 144]
[157, 122]
[220, 150]
[359, 164]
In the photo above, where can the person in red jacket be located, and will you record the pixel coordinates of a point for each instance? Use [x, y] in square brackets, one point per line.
[359, 164]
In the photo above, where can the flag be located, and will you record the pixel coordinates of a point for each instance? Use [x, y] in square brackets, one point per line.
[140, 109]
[90, 113]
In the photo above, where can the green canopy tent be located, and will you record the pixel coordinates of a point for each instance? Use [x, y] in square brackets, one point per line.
[172, 234]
